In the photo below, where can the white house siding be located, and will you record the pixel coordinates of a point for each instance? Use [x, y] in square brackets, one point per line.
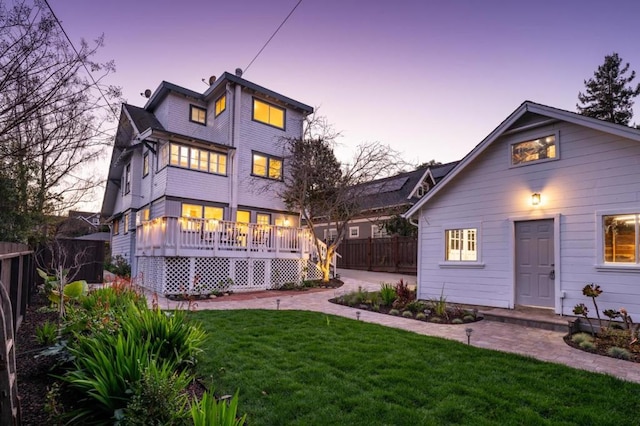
[174, 115]
[256, 136]
[596, 172]
[196, 185]
[121, 245]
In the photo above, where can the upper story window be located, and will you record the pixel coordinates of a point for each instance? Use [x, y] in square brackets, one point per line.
[193, 158]
[125, 221]
[116, 227]
[620, 238]
[198, 115]
[541, 149]
[267, 166]
[221, 104]
[263, 218]
[268, 114]
[145, 164]
[461, 245]
[127, 179]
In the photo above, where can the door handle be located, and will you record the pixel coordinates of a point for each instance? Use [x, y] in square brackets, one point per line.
[552, 274]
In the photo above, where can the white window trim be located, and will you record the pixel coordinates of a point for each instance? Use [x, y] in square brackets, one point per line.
[329, 232]
[461, 264]
[357, 233]
[381, 231]
[533, 137]
[600, 264]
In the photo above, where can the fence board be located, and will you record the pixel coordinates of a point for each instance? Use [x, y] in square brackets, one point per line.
[394, 254]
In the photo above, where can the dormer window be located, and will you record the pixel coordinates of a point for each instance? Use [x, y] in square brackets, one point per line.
[198, 115]
[533, 151]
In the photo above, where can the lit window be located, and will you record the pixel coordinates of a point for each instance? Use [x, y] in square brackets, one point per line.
[203, 164]
[621, 238]
[461, 245]
[218, 163]
[198, 115]
[126, 223]
[263, 219]
[221, 104]
[535, 150]
[198, 159]
[191, 210]
[164, 155]
[268, 114]
[354, 231]
[267, 166]
[142, 216]
[243, 216]
[145, 164]
[195, 158]
[213, 212]
[116, 227]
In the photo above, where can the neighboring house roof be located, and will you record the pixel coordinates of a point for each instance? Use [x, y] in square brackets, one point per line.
[399, 190]
[96, 236]
[527, 107]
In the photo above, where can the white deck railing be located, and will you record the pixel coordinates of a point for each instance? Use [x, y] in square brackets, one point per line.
[173, 236]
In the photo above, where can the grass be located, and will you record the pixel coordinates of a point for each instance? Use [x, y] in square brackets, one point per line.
[306, 368]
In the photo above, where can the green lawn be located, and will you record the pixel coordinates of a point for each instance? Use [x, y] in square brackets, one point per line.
[307, 368]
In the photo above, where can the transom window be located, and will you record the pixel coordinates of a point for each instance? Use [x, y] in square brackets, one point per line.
[544, 148]
[198, 115]
[621, 243]
[268, 114]
[221, 104]
[267, 166]
[461, 245]
[193, 158]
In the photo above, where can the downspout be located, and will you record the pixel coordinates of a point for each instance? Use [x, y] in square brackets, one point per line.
[235, 141]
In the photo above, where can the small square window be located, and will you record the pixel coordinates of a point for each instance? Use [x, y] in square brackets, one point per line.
[354, 231]
[461, 245]
[198, 115]
[221, 105]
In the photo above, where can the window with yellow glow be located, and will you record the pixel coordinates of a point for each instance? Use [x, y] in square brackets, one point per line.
[198, 115]
[116, 227]
[263, 219]
[621, 243]
[191, 210]
[197, 159]
[534, 150]
[267, 166]
[221, 104]
[268, 114]
[243, 216]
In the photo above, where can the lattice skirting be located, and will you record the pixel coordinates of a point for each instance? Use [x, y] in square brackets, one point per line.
[204, 275]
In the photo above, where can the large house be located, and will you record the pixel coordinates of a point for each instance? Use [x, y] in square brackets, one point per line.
[191, 192]
[546, 203]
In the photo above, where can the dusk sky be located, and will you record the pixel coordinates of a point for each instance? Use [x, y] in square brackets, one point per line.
[429, 78]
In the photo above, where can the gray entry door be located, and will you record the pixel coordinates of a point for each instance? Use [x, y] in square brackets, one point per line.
[535, 274]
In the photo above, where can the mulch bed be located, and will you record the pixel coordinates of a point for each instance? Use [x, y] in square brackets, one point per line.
[604, 342]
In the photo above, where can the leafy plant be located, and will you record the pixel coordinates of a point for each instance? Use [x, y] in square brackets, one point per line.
[50, 281]
[439, 305]
[118, 265]
[404, 294]
[587, 345]
[211, 412]
[469, 318]
[394, 312]
[72, 291]
[618, 352]
[593, 291]
[46, 333]
[416, 306]
[407, 314]
[581, 309]
[387, 294]
[421, 316]
[581, 337]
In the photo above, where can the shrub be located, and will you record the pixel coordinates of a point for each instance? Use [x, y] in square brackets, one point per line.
[618, 352]
[439, 306]
[436, 320]
[403, 294]
[416, 306]
[587, 345]
[457, 321]
[210, 412]
[469, 318]
[394, 312]
[407, 314]
[46, 333]
[421, 316]
[581, 337]
[159, 398]
[387, 294]
[119, 266]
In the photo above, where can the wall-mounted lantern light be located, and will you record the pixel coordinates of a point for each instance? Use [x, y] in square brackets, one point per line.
[535, 199]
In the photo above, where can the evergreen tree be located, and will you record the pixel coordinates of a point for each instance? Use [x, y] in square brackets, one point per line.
[609, 95]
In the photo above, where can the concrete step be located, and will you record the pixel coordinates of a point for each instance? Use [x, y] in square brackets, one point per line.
[529, 317]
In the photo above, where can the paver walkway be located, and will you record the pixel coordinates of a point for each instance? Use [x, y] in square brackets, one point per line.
[541, 344]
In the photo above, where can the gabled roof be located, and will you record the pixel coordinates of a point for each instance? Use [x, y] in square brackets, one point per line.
[527, 107]
[398, 190]
[142, 119]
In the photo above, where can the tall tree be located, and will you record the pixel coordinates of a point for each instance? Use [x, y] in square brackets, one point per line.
[326, 191]
[609, 94]
[52, 115]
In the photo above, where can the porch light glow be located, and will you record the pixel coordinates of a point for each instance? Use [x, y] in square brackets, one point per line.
[286, 222]
[535, 199]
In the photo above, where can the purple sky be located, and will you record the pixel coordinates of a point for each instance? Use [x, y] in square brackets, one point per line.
[429, 78]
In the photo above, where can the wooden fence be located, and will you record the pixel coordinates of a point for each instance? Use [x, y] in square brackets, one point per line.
[16, 284]
[394, 254]
[88, 265]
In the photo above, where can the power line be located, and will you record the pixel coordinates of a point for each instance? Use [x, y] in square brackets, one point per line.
[81, 60]
[272, 35]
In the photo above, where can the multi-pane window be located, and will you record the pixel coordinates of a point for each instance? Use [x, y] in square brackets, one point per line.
[354, 231]
[193, 158]
[544, 148]
[221, 104]
[268, 114]
[198, 115]
[127, 179]
[116, 227]
[378, 231]
[197, 211]
[145, 164]
[263, 219]
[142, 216]
[267, 166]
[461, 245]
[621, 241]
